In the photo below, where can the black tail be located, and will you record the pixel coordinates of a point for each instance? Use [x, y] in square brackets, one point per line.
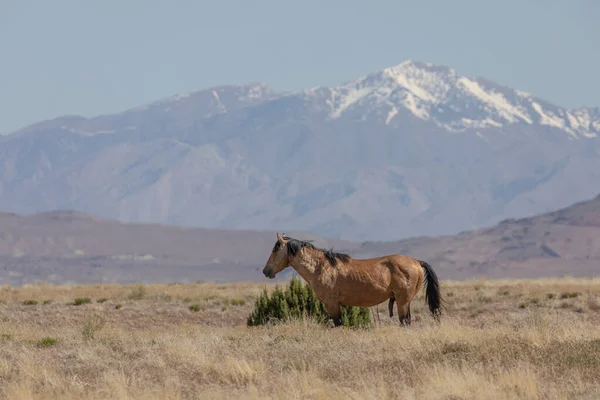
[432, 290]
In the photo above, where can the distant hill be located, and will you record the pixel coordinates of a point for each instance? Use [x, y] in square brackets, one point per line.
[67, 246]
[565, 242]
[413, 149]
[62, 246]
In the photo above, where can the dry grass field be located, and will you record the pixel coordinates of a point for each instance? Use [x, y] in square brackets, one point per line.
[526, 339]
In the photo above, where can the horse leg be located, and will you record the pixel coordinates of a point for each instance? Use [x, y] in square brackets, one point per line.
[404, 314]
[391, 306]
[335, 312]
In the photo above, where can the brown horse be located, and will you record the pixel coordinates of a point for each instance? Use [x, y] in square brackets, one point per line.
[337, 279]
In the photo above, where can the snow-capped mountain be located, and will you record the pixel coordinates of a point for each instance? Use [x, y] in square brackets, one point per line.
[409, 150]
[451, 101]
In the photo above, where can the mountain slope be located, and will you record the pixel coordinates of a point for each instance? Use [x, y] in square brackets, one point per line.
[414, 149]
[564, 242]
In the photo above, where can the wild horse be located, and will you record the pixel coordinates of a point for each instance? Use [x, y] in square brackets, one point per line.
[337, 279]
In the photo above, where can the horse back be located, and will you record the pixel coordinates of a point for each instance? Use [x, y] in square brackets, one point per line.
[406, 273]
[396, 266]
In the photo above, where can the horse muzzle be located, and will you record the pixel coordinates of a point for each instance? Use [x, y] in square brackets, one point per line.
[268, 272]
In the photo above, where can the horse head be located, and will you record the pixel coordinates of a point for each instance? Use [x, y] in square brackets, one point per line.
[279, 258]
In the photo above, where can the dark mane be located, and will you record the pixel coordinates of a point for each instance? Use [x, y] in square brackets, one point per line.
[295, 245]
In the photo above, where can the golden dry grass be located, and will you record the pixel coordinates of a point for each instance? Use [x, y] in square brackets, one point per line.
[537, 339]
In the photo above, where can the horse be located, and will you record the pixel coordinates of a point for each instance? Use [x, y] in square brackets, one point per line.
[338, 279]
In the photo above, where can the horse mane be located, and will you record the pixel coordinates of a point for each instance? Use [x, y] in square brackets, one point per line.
[295, 245]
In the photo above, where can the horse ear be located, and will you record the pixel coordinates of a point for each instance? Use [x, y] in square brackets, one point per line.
[279, 238]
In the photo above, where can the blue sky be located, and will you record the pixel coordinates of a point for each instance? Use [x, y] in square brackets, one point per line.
[88, 58]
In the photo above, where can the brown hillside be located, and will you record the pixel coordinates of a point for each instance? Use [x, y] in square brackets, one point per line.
[565, 242]
[63, 246]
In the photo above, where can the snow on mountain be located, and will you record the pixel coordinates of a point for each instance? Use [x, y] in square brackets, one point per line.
[242, 94]
[453, 102]
[414, 149]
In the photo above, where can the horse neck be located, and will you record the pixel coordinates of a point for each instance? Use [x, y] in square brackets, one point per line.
[308, 264]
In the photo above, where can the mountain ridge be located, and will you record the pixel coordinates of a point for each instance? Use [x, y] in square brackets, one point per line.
[404, 74]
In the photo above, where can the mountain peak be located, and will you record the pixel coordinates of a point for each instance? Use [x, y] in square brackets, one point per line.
[440, 95]
[426, 81]
[412, 65]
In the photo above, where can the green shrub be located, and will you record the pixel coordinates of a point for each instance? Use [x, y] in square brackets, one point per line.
[569, 295]
[82, 300]
[523, 304]
[194, 307]
[298, 301]
[47, 341]
[30, 302]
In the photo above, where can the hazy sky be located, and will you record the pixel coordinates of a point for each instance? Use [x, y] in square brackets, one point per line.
[94, 57]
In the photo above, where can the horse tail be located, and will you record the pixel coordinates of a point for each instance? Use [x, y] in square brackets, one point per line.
[432, 290]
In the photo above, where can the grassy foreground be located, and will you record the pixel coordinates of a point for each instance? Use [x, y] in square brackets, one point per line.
[537, 339]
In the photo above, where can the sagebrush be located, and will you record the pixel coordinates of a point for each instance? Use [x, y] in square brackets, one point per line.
[298, 301]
